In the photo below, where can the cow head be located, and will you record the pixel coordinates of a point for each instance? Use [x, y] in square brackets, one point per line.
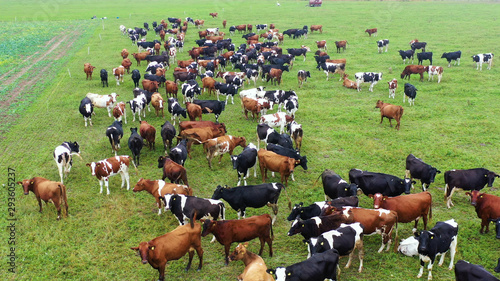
[297, 209]
[407, 185]
[491, 177]
[27, 185]
[218, 192]
[143, 250]
[302, 162]
[161, 161]
[378, 200]
[474, 196]
[296, 227]
[239, 252]
[424, 238]
[140, 185]
[208, 226]
[317, 245]
[93, 167]
[432, 174]
[234, 160]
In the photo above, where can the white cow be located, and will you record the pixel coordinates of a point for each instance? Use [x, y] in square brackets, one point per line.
[103, 101]
[279, 119]
[434, 70]
[62, 156]
[483, 58]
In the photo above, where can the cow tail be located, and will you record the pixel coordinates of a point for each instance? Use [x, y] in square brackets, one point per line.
[316, 181]
[133, 163]
[222, 208]
[64, 199]
[400, 111]
[271, 224]
[430, 213]
[192, 219]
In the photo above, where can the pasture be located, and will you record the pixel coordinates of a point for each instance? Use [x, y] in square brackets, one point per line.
[453, 125]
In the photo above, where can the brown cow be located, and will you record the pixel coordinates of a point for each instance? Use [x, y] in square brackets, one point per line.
[119, 111]
[149, 85]
[184, 63]
[172, 246]
[148, 133]
[409, 208]
[214, 15]
[199, 23]
[106, 168]
[88, 69]
[255, 267]
[487, 208]
[124, 53]
[251, 105]
[341, 45]
[269, 160]
[229, 231]
[202, 33]
[221, 145]
[183, 125]
[157, 48]
[171, 89]
[241, 28]
[140, 56]
[199, 135]
[46, 190]
[194, 111]
[208, 83]
[162, 35]
[274, 75]
[227, 55]
[316, 28]
[173, 171]
[118, 72]
[321, 53]
[321, 44]
[224, 22]
[371, 31]
[126, 63]
[249, 27]
[215, 38]
[413, 69]
[159, 188]
[349, 83]
[158, 103]
[390, 111]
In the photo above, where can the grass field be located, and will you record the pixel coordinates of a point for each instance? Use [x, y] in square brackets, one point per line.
[453, 125]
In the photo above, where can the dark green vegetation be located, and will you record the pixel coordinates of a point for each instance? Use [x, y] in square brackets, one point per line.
[453, 125]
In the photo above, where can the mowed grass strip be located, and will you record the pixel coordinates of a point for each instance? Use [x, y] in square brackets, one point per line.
[453, 125]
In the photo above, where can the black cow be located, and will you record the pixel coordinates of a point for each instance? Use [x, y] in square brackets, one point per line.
[211, 106]
[290, 32]
[179, 153]
[318, 267]
[153, 77]
[437, 241]
[244, 161]
[252, 196]
[164, 59]
[411, 92]
[190, 89]
[452, 56]
[269, 135]
[424, 56]
[295, 52]
[86, 109]
[146, 25]
[465, 271]
[135, 143]
[104, 77]
[288, 152]
[145, 45]
[471, 179]
[418, 45]
[114, 133]
[174, 20]
[314, 226]
[381, 44]
[299, 33]
[136, 77]
[333, 68]
[408, 54]
[185, 207]
[167, 134]
[247, 35]
[418, 169]
[371, 183]
[183, 76]
[334, 186]
[175, 109]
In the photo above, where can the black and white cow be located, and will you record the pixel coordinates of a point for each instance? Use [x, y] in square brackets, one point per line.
[334, 186]
[371, 183]
[86, 109]
[410, 92]
[114, 133]
[471, 179]
[344, 239]
[479, 59]
[329, 67]
[367, 77]
[104, 78]
[179, 153]
[314, 226]
[244, 161]
[381, 44]
[63, 157]
[408, 54]
[135, 144]
[465, 271]
[229, 90]
[318, 267]
[418, 45]
[167, 134]
[452, 56]
[145, 45]
[185, 207]
[269, 135]
[252, 75]
[260, 27]
[138, 106]
[190, 89]
[175, 109]
[136, 77]
[294, 129]
[251, 196]
[418, 169]
[145, 95]
[291, 105]
[437, 241]
[317, 208]
[424, 56]
[211, 106]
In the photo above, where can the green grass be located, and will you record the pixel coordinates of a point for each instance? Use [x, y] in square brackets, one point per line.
[453, 125]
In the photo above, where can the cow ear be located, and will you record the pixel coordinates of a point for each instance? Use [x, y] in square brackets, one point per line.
[468, 193]
[135, 248]
[370, 195]
[414, 182]
[416, 234]
[270, 271]
[88, 164]
[245, 244]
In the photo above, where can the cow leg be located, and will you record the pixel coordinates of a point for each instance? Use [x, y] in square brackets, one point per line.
[262, 243]
[485, 222]
[57, 203]
[293, 179]
[100, 184]
[226, 251]
[39, 203]
[453, 249]
[199, 252]
[106, 182]
[274, 207]
[191, 255]
[161, 270]
[448, 199]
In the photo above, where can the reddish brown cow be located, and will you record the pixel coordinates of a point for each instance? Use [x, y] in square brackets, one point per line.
[124, 53]
[321, 44]
[202, 33]
[118, 72]
[229, 231]
[227, 55]
[241, 28]
[208, 83]
[487, 208]
[127, 63]
[338, 61]
[215, 38]
[173, 171]
[157, 48]
[255, 267]
[183, 125]
[249, 27]
[199, 135]
[119, 111]
[140, 56]
[371, 31]
[214, 15]
[88, 69]
[316, 28]
[172, 246]
[221, 145]
[390, 111]
[194, 111]
[275, 76]
[321, 53]
[199, 23]
[159, 188]
[149, 85]
[341, 45]
[251, 105]
[148, 133]
[46, 190]
[413, 69]
[162, 35]
[171, 89]
[269, 160]
[194, 54]
[224, 22]
[409, 208]
[184, 63]
[349, 83]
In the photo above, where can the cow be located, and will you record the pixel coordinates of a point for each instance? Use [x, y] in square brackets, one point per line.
[179, 153]
[201, 124]
[47, 190]
[106, 168]
[434, 70]
[158, 103]
[487, 208]
[316, 28]
[367, 77]
[193, 111]
[255, 267]
[172, 246]
[135, 143]
[119, 112]
[140, 57]
[296, 132]
[118, 72]
[371, 183]
[349, 83]
[341, 45]
[418, 169]
[452, 56]
[371, 31]
[416, 45]
[150, 86]
[126, 63]
[390, 111]
[229, 90]
[173, 171]
[276, 119]
[148, 133]
[211, 106]
[186, 208]
[244, 161]
[413, 69]
[334, 186]
[407, 55]
[288, 152]
[88, 69]
[344, 239]
[471, 179]
[274, 162]
[333, 68]
[497, 268]
[381, 44]
[159, 189]
[409, 246]
[409, 207]
[424, 56]
[318, 267]
[275, 76]
[103, 101]
[393, 85]
[189, 90]
[322, 208]
[86, 109]
[175, 109]
[227, 232]
[138, 106]
[200, 135]
[136, 77]
[171, 89]
[63, 157]
[411, 92]
[465, 271]
[302, 77]
[221, 145]
[269, 135]
[114, 133]
[104, 78]
[437, 241]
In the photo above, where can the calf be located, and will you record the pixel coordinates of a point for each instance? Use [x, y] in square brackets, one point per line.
[118, 72]
[341, 45]
[413, 69]
[88, 69]
[135, 144]
[371, 31]
[106, 168]
[229, 231]
[406, 55]
[187, 208]
[411, 92]
[471, 179]
[487, 208]
[465, 271]
[104, 77]
[334, 186]
[393, 85]
[103, 101]
[148, 132]
[175, 109]
[172, 246]
[434, 70]
[367, 77]
[437, 241]
[424, 56]
[46, 190]
[418, 169]
[86, 109]
[381, 44]
[114, 133]
[295, 131]
[269, 160]
[349, 83]
[63, 157]
[302, 77]
[244, 161]
[119, 112]
[136, 77]
[452, 56]
[415, 45]
[159, 189]
[221, 145]
[390, 111]
[173, 171]
[255, 267]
